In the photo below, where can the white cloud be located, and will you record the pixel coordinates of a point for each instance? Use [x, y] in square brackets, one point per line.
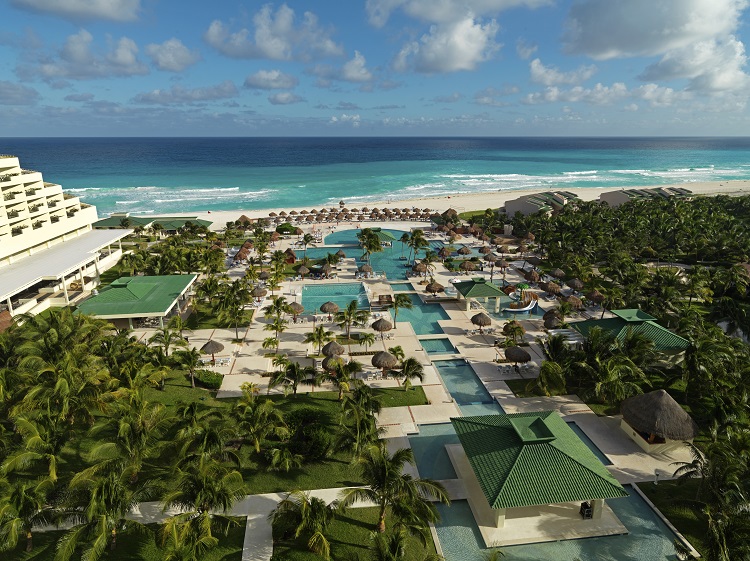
[355, 70]
[275, 36]
[172, 55]
[450, 47]
[178, 95]
[271, 80]
[493, 96]
[17, 94]
[658, 96]
[525, 50]
[78, 60]
[284, 98]
[353, 120]
[551, 76]
[114, 10]
[632, 107]
[442, 11]
[603, 29]
[653, 94]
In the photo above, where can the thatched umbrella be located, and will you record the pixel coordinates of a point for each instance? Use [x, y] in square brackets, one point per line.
[419, 267]
[575, 302]
[303, 271]
[444, 252]
[575, 284]
[381, 326]
[553, 288]
[332, 348]
[272, 214]
[534, 260]
[293, 213]
[340, 254]
[310, 218]
[532, 276]
[434, 287]
[552, 322]
[552, 313]
[467, 266]
[485, 249]
[275, 236]
[481, 320]
[326, 269]
[365, 269]
[490, 258]
[258, 292]
[384, 360]
[497, 240]
[503, 264]
[282, 213]
[212, 347]
[332, 363]
[504, 249]
[298, 231]
[264, 276]
[342, 203]
[329, 308]
[517, 354]
[595, 296]
[658, 415]
[464, 251]
[306, 212]
[296, 309]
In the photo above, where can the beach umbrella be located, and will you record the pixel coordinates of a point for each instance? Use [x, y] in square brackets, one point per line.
[490, 258]
[419, 267]
[326, 269]
[553, 313]
[340, 254]
[481, 320]
[355, 210]
[332, 363]
[504, 249]
[293, 213]
[341, 203]
[444, 252]
[575, 284]
[364, 268]
[296, 309]
[298, 231]
[657, 413]
[427, 210]
[552, 322]
[258, 292]
[332, 348]
[304, 212]
[595, 296]
[464, 250]
[329, 308]
[557, 273]
[485, 250]
[272, 214]
[360, 217]
[434, 287]
[575, 302]
[321, 217]
[384, 360]
[534, 260]
[365, 209]
[517, 354]
[264, 275]
[532, 276]
[275, 236]
[282, 213]
[503, 264]
[310, 218]
[381, 326]
[497, 240]
[553, 288]
[467, 266]
[278, 220]
[212, 347]
[303, 271]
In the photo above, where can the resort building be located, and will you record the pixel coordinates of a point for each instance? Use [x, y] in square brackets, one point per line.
[49, 254]
[140, 301]
[529, 479]
[616, 198]
[656, 422]
[635, 321]
[166, 224]
[547, 201]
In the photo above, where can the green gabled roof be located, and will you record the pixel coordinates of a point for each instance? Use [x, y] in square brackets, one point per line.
[663, 339]
[137, 296]
[382, 235]
[167, 222]
[477, 288]
[633, 315]
[527, 459]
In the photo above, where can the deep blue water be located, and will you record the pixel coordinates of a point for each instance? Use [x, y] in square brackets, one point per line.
[190, 174]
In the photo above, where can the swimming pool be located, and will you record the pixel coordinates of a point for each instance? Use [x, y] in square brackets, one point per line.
[437, 346]
[649, 538]
[462, 383]
[587, 441]
[402, 287]
[429, 450]
[314, 296]
[423, 317]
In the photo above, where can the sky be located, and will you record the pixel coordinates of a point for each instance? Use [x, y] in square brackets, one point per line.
[374, 68]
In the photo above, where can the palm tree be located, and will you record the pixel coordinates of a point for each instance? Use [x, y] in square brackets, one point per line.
[320, 336]
[351, 315]
[514, 331]
[292, 376]
[283, 459]
[306, 517]
[411, 369]
[417, 242]
[42, 442]
[258, 420]
[392, 547]
[178, 324]
[551, 378]
[277, 308]
[24, 508]
[401, 301]
[404, 239]
[191, 360]
[366, 340]
[386, 485]
[307, 240]
[278, 326]
[397, 352]
[166, 338]
[344, 376]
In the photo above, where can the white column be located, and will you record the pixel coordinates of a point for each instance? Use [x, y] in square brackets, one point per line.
[10, 306]
[468, 305]
[499, 517]
[597, 505]
[497, 304]
[65, 290]
[161, 322]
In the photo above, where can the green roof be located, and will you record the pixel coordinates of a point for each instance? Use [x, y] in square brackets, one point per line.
[382, 235]
[635, 321]
[137, 296]
[166, 222]
[478, 287]
[527, 459]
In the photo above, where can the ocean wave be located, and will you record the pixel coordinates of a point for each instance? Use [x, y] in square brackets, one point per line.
[126, 202]
[589, 172]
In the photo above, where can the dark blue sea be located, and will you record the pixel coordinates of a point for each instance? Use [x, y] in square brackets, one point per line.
[197, 174]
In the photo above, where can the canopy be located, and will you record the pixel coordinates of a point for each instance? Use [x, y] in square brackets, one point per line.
[658, 413]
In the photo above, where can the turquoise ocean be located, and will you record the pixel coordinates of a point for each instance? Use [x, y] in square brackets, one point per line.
[157, 175]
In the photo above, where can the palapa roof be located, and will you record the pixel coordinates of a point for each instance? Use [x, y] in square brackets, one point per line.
[526, 459]
[636, 321]
[658, 413]
[477, 288]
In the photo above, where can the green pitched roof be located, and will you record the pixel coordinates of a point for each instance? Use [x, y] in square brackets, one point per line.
[167, 222]
[635, 321]
[382, 235]
[137, 296]
[477, 288]
[526, 459]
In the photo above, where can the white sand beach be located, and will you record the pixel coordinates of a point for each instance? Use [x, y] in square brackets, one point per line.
[480, 201]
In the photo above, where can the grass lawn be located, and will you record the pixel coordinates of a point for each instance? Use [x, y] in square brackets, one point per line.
[670, 498]
[133, 547]
[203, 318]
[350, 536]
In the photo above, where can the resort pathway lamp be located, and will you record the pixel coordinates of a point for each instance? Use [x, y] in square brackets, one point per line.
[212, 347]
[381, 326]
[481, 320]
[385, 361]
[329, 308]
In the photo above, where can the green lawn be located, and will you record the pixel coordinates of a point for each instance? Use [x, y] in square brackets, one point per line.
[350, 536]
[203, 318]
[672, 498]
[133, 546]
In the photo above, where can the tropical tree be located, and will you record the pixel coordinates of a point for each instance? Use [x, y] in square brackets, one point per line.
[320, 336]
[278, 326]
[307, 240]
[366, 340]
[551, 378]
[190, 359]
[292, 375]
[351, 316]
[343, 377]
[166, 338]
[401, 301]
[306, 517]
[411, 369]
[397, 352]
[24, 508]
[259, 419]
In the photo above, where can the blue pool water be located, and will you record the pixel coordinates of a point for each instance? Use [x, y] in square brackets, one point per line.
[423, 317]
[322, 252]
[587, 441]
[429, 450]
[462, 383]
[649, 538]
[437, 346]
[314, 296]
[402, 287]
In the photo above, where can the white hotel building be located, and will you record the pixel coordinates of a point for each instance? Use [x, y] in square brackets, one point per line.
[49, 253]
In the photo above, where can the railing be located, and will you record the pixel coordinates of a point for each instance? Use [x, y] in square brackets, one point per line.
[7, 156]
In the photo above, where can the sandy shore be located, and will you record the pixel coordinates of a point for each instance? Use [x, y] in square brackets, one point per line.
[477, 201]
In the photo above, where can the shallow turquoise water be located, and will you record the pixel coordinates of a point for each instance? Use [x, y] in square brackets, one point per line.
[462, 383]
[314, 296]
[429, 450]
[437, 346]
[423, 317]
[402, 287]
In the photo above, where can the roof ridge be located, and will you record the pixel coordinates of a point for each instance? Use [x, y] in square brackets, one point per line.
[587, 468]
[511, 471]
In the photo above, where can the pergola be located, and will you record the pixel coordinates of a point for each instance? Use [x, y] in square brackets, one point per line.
[478, 287]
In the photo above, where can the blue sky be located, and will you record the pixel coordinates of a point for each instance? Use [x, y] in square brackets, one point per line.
[373, 67]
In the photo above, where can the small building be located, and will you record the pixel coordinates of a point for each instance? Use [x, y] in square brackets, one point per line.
[529, 478]
[547, 201]
[169, 224]
[636, 321]
[616, 198]
[147, 300]
[478, 287]
[656, 422]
